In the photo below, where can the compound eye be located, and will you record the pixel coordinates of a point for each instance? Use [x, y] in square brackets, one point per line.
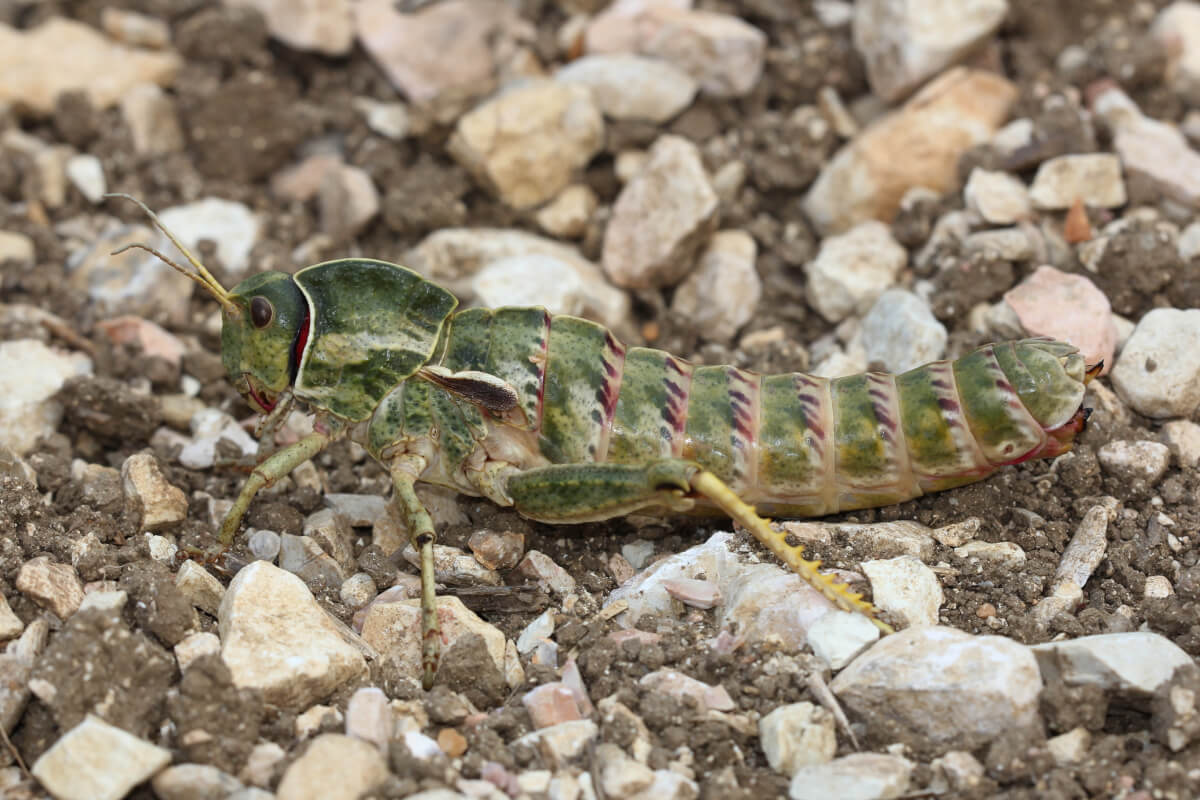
[261, 312]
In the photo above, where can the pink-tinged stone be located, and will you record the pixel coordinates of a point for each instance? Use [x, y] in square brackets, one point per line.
[916, 145]
[721, 52]
[458, 44]
[550, 704]
[677, 684]
[1066, 307]
[572, 678]
[539, 567]
[634, 635]
[155, 340]
[694, 593]
[61, 55]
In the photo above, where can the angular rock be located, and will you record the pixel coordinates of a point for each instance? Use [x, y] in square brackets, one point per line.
[200, 587]
[678, 685]
[864, 776]
[152, 338]
[320, 26]
[797, 735]
[935, 686]
[1149, 149]
[567, 216]
[455, 567]
[452, 255]
[1141, 460]
[147, 491]
[629, 86]
[998, 197]
[209, 427]
[722, 293]
[900, 332]
[620, 775]
[304, 558]
[562, 743]
[525, 144]
[540, 568]
[1158, 372]
[194, 646]
[86, 173]
[10, 624]
[1131, 664]
[30, 375]
[370, 717]
[97, 761]
[542, 627]
[661, 218]
[903, 42]
[838, 637]
[231, 226]
[454, 46]
[33, 73]
[852, 270]
[194, 782]
[394, 630]
[551, 704]
[1066, 307]
[1093, 178]
[723, 53]
[51, 585]
[907, 588]
[1183, 438]
[153, 121]
[132, 28]
[497, 549]
[274, 637]
[918, 145]
[995, 552]
[539, 280]
[334, 767]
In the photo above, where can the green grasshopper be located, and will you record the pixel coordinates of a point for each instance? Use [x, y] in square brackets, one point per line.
[552, 416]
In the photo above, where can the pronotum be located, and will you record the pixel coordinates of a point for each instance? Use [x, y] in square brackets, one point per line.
[552, 416]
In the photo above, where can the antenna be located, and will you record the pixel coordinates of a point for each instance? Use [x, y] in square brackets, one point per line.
[201, 275]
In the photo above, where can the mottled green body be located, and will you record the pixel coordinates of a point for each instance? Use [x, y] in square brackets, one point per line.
[793, 443]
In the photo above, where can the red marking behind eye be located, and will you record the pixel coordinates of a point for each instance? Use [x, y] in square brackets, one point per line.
[301, 341]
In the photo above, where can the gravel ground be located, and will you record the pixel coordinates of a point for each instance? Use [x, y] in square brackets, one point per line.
[779, 185]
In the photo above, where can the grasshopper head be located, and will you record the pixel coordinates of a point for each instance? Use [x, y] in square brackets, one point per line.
[263, 334]
[265, 323]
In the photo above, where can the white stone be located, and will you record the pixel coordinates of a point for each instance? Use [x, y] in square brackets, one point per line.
[938, 686]
[452, 256]
[900, 332]
[851, 270]
[146, 490]
[10, 624]
[33, 72]
[542, 627]
[132, 28]
[797, 735]
[661, 218]
[905, 587]
[629, 86]
[562, 743]
[334, 767]
[194, 646]
[30, 375]
[1158, 371]
[905, 42]
[526, 143]
[1177, 27]
[455, 566]
[567, 216]
[1070, 747]
[209, 427]
[274, 637]
[1153, 150]
[1183, 438]
[97, 761]
[838, 637]
[370, 717]
[390, 120]
[998, 197]
[1008, 553]
[321, 26]
[533, 280]
[722, 293]
[861, 776]
[1094, 178]
[52, 585]
[194, 782]
[1133, 664]
[152, 120]
[678, 685]
[720, 51]
[394, 630]
[620, 775]
[16, 247]
[1158, 586]
[86, 174]
[231, 226]
[1139, 460]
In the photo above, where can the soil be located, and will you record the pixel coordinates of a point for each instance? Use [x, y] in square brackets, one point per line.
[297, 98]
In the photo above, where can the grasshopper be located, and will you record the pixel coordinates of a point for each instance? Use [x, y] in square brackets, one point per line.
[554, 417]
